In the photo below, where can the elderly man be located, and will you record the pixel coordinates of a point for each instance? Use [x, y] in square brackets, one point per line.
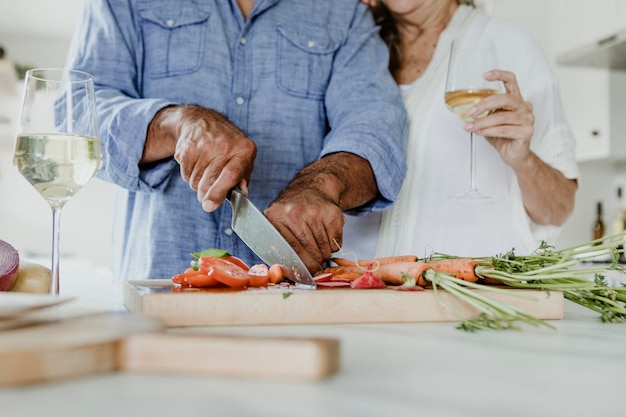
[290, 100]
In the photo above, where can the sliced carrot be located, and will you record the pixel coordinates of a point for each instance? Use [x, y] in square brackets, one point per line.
[275, 273]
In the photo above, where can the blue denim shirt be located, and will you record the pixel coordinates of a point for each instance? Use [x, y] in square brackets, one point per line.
[301, 78]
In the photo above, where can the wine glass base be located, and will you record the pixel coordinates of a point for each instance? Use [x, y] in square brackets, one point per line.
[473, 197]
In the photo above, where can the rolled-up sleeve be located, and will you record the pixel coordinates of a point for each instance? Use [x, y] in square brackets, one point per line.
[112, 55]
[365, 110]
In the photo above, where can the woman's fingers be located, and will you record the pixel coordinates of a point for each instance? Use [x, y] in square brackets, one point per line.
[509, 80]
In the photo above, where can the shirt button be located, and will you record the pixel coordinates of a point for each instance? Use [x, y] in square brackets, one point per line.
[239, 100]
[243, 40]
[228, 231]
[310, 44]
[170, 23]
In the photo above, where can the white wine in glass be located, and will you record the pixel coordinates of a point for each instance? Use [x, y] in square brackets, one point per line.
[58, 147]
[470, 59]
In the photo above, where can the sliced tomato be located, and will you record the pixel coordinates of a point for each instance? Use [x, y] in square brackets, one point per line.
[237, 261]
[205, 261]
[193, 278]
[220, 253]
[224, 271]
[202, 280]
[259, 275]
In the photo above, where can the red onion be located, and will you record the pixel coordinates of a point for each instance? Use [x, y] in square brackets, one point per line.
[9, 265]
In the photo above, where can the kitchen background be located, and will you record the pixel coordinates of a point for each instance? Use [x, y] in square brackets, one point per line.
[593, 85]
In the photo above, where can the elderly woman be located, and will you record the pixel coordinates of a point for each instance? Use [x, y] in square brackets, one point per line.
[525, 147]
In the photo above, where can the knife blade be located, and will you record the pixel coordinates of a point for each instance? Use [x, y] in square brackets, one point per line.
[260, 235]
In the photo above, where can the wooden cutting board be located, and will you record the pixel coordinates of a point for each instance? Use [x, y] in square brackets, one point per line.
[275, 305]
[275, 358]
[65, 347]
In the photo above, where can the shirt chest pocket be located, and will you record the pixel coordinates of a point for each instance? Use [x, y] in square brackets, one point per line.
[305, 60]
[173, 39]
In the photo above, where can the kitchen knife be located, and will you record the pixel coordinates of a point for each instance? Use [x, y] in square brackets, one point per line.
[256, 231]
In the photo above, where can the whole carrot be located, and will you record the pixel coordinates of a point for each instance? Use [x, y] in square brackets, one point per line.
[377, 261]
[391, 273]
[461, 268]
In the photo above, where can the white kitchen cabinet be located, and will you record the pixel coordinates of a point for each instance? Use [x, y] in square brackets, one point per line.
[591, 94]
[579, 22]
[595, 105]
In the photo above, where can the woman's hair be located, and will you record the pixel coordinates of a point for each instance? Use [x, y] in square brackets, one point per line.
[389, 32]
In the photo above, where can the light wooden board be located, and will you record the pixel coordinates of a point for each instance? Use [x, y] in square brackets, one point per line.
[337, 305]
[69, 347]
[13, 304]
[232, 356]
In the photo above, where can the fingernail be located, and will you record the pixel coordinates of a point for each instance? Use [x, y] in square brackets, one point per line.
[471, 111]
[209, 206]
[468, 126]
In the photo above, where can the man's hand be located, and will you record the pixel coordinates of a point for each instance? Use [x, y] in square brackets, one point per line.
[310, 222]
[309, 212]
[214, 155]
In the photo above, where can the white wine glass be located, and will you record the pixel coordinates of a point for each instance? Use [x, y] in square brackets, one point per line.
[470, 59]
[58, 147]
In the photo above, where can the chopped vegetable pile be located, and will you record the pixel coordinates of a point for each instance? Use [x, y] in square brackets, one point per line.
[547, 269]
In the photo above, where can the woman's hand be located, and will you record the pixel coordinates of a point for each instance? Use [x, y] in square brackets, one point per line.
[548, 196]
[370, 3]
[510, 126]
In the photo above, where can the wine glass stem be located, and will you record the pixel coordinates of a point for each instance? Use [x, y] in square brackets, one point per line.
[56, 233]
[473, 187]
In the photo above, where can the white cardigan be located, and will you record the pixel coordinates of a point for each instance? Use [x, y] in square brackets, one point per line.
[423, 220]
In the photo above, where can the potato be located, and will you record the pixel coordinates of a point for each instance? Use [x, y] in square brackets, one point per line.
[32, 278]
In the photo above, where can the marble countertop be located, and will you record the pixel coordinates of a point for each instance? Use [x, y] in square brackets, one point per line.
[429, 369]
